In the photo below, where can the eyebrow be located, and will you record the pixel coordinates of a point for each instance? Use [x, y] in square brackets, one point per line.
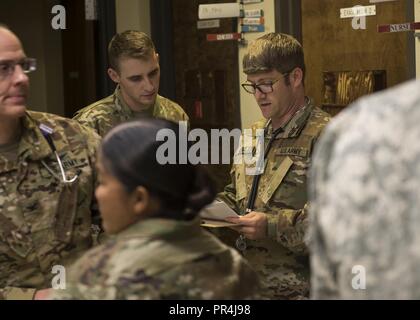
[262, 81]
[142, 76]
[6, 61]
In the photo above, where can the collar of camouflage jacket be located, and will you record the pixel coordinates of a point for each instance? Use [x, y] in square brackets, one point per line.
[167, 243]
[123, 106]
[294, 126]
[32, 144]
[160, 228]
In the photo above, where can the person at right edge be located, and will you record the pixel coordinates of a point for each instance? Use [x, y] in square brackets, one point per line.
[273, 205]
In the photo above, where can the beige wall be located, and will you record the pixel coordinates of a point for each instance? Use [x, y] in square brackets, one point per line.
[417, 18]
[250, 112]
[31, 21]
[133, 14]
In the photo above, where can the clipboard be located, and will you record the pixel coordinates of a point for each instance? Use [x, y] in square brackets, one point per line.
[214, 215]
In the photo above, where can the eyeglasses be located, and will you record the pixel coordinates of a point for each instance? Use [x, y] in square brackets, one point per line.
[265, 87]
[7, 67]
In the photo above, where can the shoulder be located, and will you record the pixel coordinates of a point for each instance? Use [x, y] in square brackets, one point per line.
[317, 121]
[99, 108]
[260, 124]
[67, 129]
[173, 110]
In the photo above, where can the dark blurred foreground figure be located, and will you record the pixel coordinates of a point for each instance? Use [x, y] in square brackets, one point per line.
[158, 249]
[365, 192]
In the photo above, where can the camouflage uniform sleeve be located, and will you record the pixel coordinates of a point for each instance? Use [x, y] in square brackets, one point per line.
[93, 141]
[288, 227]
[229, 193]
[13, 293]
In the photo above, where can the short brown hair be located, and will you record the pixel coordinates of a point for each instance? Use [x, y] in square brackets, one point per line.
[274, 51]
[131, 44]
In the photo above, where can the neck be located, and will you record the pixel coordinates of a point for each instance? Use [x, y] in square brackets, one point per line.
[295, 107]
[135, 107]
[9, 130]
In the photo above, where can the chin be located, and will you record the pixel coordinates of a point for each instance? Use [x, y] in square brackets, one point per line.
[15, 111]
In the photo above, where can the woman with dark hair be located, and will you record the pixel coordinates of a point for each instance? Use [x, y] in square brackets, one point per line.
[157, 249]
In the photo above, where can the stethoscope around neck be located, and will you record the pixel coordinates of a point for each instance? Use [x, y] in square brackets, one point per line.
[46, 132]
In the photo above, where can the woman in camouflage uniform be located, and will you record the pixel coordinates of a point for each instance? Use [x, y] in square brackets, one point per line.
[158, 249]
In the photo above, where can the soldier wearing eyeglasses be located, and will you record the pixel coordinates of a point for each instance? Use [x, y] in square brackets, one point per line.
[47, 182]
[273, 205]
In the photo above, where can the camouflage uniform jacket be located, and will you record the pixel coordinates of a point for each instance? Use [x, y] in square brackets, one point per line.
[281, 259]
[105, 114]
[161, 259]
[44, 222]
[365, 192]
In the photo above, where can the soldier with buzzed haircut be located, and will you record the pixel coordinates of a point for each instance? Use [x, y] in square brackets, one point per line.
[271, 231]
[134, 67]
[47, 182]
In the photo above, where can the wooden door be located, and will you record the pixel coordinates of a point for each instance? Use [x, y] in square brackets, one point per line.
[206, 73]
[332, 44]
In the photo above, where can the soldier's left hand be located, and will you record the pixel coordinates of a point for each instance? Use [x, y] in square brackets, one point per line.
[252, 225]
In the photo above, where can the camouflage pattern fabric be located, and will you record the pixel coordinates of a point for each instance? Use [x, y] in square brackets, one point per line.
[105, 114]
[365, 192]
[161, 259]
[281, 260]
[44, 222]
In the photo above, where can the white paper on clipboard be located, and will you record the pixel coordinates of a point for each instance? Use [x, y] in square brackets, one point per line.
[214, 215]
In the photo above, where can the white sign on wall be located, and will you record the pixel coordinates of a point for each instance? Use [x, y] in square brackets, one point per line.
[208, 24]
[219, 10]
[358, 11]
[254, 13]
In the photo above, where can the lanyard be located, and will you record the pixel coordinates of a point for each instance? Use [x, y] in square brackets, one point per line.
[46, 132]
[241, 242]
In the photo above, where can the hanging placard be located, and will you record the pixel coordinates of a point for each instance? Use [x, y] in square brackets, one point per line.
[251, 1]
[208, 24]
[255, 13]
[252, 21]
[223, 36]
[255, 28]
[219, 10]
[358, 11]
[402, 27]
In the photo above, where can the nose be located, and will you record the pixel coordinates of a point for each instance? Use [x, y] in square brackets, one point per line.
[258, 94]
[19, 76]
[149, 86]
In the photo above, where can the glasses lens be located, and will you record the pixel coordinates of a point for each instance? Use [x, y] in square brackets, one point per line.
[250, 88]
[266, 87]
[28, 65]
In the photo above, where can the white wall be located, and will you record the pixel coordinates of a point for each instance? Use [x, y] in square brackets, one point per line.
[250, 112]
[133, 15]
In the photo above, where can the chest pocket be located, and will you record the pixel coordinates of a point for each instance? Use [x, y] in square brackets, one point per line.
[52, 209]
[266, 191]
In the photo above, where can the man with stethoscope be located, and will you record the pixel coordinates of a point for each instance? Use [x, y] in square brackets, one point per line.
[47, 182]
[271, 230]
